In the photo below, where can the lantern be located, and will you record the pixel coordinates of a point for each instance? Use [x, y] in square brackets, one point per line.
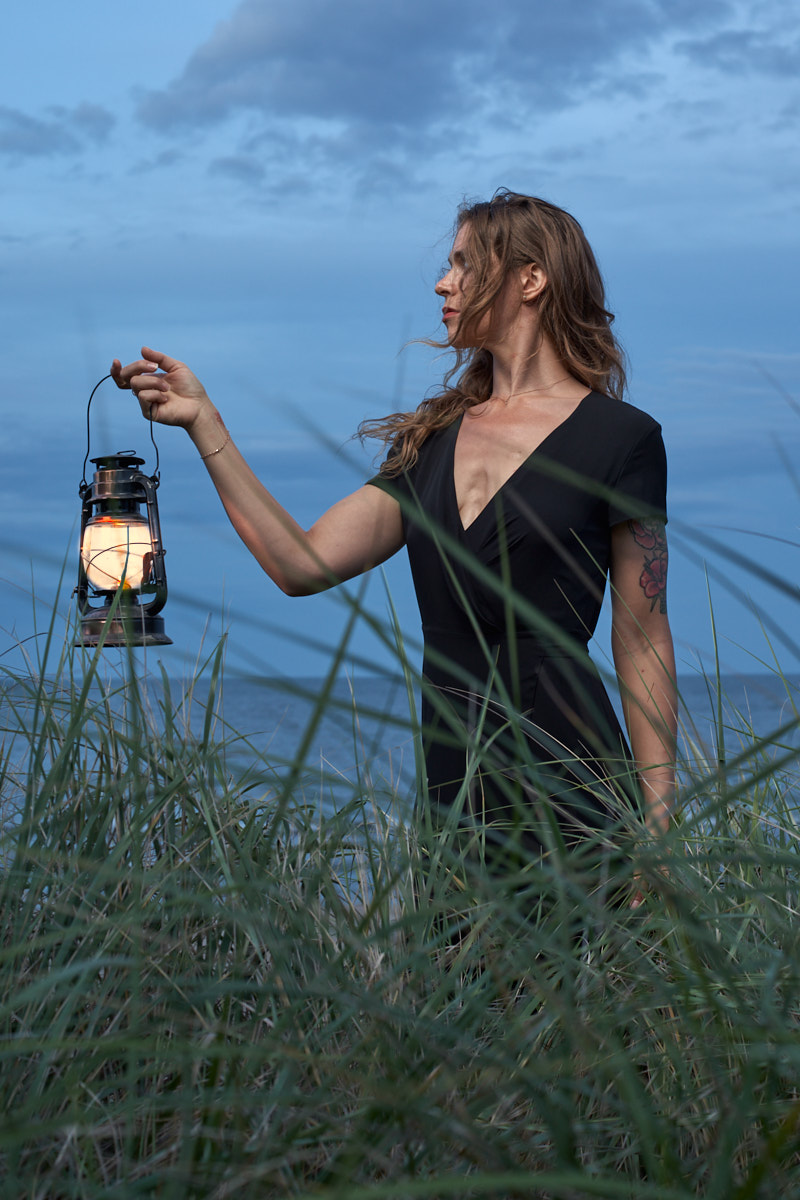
[121, 556]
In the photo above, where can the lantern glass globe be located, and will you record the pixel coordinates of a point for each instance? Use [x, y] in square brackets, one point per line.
[117, 551]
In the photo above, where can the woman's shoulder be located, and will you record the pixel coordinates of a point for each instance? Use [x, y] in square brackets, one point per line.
[619, 416]
[426, 458]
[434, 442]
[621, 411]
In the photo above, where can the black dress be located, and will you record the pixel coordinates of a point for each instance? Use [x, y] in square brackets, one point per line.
[518, 728]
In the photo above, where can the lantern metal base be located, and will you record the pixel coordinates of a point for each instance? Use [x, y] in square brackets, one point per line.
[135, 628]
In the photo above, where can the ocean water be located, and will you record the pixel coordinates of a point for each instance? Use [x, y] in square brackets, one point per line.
[361, 729]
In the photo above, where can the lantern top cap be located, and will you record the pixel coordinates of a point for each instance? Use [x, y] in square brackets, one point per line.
[122, 459]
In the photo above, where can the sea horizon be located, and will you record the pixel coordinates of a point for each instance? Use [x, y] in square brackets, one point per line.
[366, 729]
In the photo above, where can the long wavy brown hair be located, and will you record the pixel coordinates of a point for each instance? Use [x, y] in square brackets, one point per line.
[505, 233]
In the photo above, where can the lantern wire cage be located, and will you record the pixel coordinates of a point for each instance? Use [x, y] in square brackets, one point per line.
[121, 552]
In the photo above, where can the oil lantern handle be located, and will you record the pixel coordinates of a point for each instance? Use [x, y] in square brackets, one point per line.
[83, 484]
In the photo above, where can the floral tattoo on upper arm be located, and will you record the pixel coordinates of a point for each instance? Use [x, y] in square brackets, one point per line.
[651, 536]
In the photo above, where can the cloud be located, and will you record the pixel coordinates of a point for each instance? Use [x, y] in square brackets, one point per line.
[238, 166]
[22, 136]
[410, 65]
[308, 58]
[740, 51]
[64, 132]
[91, 120]
[344, 94]
[164, 160]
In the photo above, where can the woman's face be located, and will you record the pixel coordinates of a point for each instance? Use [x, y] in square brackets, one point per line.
[454, 287]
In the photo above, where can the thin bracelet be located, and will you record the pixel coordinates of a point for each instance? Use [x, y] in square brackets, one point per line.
[211, 453]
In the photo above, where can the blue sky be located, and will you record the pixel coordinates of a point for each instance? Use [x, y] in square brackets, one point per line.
[265, 189]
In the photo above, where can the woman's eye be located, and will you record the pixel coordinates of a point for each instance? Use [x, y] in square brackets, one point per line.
[459, 268]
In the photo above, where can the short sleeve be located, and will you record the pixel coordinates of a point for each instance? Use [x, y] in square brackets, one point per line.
[399, 485]
[640, 489]
[396, 485]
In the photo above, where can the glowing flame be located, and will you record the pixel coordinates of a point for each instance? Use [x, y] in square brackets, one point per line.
[117, 550]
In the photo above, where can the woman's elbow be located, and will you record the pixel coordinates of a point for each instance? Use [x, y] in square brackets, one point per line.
[301, 585]
[631, 641]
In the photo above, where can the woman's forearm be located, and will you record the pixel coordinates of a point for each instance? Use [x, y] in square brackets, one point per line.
[646, 674]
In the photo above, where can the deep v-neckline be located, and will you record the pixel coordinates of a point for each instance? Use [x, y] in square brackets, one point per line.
[489, 503]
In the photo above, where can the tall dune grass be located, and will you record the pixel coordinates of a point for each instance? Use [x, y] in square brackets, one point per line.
[214, 985]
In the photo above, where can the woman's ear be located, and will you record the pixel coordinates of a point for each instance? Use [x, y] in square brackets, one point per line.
[534, 281]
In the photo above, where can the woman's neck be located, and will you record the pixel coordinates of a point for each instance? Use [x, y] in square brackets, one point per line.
[517, 376]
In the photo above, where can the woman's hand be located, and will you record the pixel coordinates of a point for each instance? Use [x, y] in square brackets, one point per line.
[176, 397]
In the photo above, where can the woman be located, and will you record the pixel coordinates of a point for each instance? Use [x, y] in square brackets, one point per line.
[529, 471]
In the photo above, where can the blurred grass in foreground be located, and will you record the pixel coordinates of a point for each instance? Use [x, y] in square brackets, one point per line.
[214, 987]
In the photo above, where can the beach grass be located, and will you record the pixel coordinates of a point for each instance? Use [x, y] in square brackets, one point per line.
[215, 983]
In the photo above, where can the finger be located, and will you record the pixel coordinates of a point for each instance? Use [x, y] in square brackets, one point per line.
[162, 360]
[147, 379]
[150, 397]
[116, 374]
[123, 376]
[150, 405]
[152, 402]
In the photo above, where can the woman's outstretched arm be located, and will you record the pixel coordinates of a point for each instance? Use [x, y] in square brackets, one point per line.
[644, 659]
[360, 531]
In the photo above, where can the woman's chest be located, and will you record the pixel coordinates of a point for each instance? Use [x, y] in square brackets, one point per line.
[484, 459]
[489, 451]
